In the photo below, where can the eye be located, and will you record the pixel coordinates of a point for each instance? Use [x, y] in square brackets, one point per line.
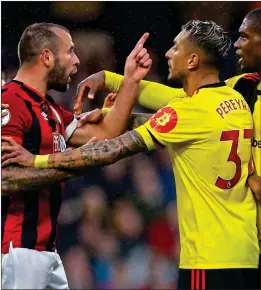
[242, 38]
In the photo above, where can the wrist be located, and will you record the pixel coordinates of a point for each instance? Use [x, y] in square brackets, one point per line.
[130, 81]
[41, 161]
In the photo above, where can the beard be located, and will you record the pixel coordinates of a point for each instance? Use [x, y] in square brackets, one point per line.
[57, 78]
[175, 82]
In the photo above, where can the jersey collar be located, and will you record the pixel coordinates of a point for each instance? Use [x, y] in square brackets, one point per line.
[214, 85]
[33, 94]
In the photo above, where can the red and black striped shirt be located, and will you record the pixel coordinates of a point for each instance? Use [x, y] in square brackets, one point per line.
[29, 219]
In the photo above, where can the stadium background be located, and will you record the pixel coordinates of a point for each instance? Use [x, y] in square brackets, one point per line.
[118, 225]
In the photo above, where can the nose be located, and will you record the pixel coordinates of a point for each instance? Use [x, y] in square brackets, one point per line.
[237, 44]
[167, 54]
[76, 60]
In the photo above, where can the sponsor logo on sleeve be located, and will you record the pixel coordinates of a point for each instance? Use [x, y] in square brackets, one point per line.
[164, 120]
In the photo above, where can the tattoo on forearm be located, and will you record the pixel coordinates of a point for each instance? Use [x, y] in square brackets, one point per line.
[16, 178]
[107, 152]
[137, 120]
[101, 153]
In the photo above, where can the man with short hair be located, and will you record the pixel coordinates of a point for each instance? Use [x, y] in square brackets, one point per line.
[29, 218]
[154, 96]
[211, 155]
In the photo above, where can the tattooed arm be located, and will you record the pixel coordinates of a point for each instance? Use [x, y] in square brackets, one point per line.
[92, 154]
[100, 153]
[16, 178]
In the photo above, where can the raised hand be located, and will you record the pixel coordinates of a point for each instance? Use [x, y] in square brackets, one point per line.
[138, 63]
[94, 83]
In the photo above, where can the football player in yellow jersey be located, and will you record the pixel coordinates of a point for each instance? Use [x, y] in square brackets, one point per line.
[248, 48]
[154, 96]
[208, 136]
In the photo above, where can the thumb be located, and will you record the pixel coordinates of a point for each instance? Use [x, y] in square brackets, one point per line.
[92, 92]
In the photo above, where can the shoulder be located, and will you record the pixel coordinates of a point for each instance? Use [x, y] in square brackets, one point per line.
[10, 95]
[250, 79]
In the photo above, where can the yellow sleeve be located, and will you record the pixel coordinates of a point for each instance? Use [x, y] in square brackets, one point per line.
[151, 95]
[178, 122]
[112, 81]
[155, 96]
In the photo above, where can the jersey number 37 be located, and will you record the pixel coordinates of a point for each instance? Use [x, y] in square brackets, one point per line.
[233, 136]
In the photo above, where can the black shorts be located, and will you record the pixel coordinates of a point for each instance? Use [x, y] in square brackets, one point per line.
[259, 268]
[218, 279]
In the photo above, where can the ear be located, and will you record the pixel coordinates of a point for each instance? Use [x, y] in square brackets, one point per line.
[193, 61]
[47, 57]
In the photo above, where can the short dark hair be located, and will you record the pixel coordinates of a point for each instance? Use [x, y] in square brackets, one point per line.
[255, 17]
[211, 38]
[35, 38]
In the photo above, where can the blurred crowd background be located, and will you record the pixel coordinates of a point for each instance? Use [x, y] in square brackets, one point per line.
[118, 224]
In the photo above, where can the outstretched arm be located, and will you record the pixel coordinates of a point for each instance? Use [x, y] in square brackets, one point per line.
[16, 178]
[93, 154]
[99, 153]
[151, 95]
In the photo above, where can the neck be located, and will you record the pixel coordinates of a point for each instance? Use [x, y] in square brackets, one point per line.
[32, 77]
[199, 79]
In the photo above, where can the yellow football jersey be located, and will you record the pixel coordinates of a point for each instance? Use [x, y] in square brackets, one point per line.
[209, 140]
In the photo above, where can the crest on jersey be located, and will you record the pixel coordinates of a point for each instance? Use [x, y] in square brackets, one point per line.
[164, 120]
[7, 118]
[59, 144]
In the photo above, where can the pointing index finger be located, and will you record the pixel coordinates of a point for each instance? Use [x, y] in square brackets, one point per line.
[143, 39]
[139, 44]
